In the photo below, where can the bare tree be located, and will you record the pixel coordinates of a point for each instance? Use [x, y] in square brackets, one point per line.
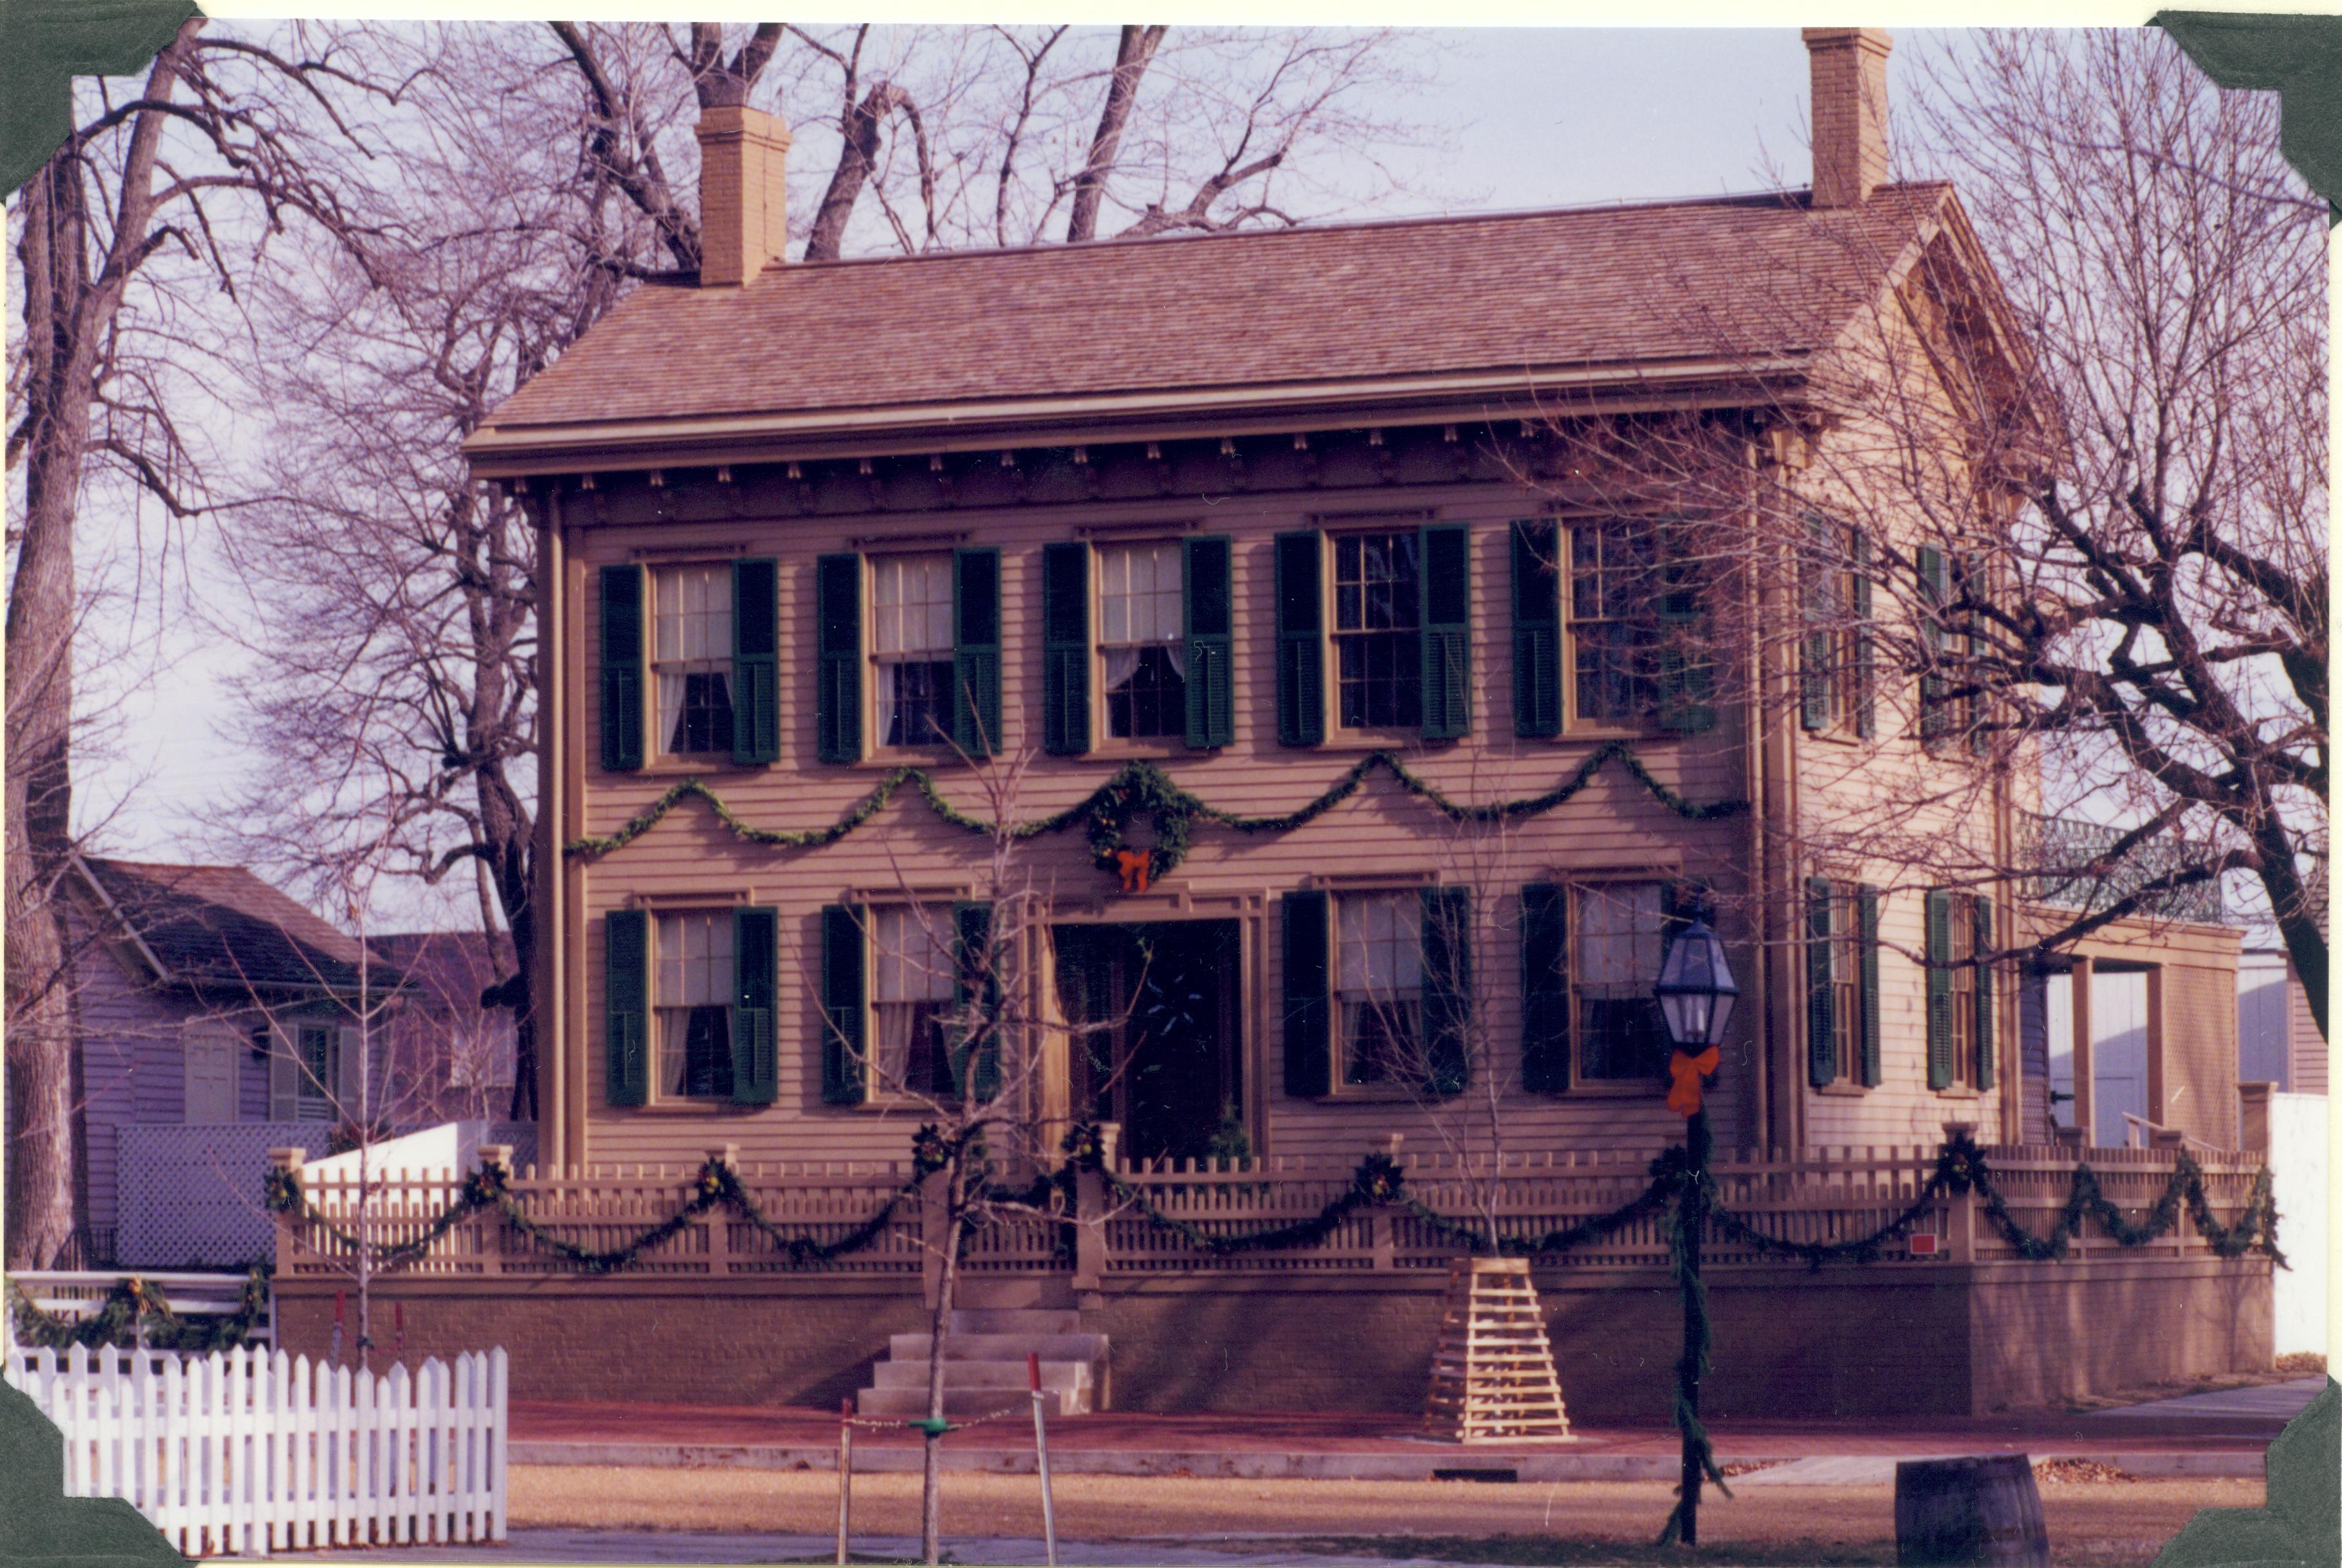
[2041, 539]
[971, 1062]
[389, 597]
[155, 188]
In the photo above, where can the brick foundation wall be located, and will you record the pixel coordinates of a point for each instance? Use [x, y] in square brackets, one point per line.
[567, 1342]
[1888, 1339]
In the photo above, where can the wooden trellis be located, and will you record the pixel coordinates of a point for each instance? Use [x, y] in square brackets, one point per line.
[1492, 1377]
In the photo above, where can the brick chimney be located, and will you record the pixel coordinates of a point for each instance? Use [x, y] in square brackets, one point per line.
[743, 207]
[1849, 113]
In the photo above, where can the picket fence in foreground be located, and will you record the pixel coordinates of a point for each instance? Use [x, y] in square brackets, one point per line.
[244, 1452]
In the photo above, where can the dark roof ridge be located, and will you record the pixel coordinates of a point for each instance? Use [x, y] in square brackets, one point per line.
[1787, 196]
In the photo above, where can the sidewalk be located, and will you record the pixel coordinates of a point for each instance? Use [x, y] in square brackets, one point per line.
[2222, 1435]
[528, 1547]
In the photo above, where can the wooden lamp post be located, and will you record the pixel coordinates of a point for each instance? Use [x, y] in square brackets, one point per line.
[1695, 991]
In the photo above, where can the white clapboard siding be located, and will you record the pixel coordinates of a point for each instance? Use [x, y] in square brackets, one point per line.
[243, 1451]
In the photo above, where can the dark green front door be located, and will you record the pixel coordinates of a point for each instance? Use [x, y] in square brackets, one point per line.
[1156, 1044]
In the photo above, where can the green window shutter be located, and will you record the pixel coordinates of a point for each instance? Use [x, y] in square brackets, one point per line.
[626, 1006]
[1865, 914]
[975, 651]
[1066, 648]
[1300, 640]
[1865, 647]
[845, 965]
[755, 957]
[1815, 654]
[1687, 675]
[1984, 1033]
[1939, 991]
[1545, 988]
[1206, 570]
[1972, 707]
[1446, 555]
[1536, 628]
[978, 986]
[756, 661]
[1309, 1009]
[622, 668]
[1447, 989]
[1935, 592]
[838, 654]
[1821, 1021]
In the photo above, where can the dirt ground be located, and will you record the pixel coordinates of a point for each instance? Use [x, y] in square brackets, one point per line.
[2091, 1522]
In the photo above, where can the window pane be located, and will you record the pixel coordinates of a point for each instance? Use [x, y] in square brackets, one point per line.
[1617, 946]
[911, 603]
[1377, 593]
[692, 657]
[693, 992]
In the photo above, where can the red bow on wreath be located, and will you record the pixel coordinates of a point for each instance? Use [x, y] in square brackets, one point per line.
[1136, 866]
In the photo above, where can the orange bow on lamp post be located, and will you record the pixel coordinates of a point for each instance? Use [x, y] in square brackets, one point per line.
[1695, 992]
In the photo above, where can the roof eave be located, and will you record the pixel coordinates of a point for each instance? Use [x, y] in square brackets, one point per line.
[534, 450]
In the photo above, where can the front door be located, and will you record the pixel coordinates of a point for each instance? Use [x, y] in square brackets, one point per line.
[1155, 1043]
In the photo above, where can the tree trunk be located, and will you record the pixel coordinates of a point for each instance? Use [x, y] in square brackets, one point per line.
[1131, 59]
[39, 695]
[931, 1498]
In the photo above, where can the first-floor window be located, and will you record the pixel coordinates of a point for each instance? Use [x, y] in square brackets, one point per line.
[911, 648]
[1847, 1014]
[693, 1001]
[1963, 935]
[1379, 986]
[691, 659]
[915, 984]
[1617, 940]
[1142, 602]
[319, 1066]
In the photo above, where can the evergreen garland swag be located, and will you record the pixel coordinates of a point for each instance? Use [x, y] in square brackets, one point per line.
[1379, 1181]
[1142, 789]
[132, 1306]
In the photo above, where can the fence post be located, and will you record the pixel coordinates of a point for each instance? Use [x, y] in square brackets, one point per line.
[288, 1160]
[1090, 1209]
[719, 1220]
[489, 1223]
[934, 1222]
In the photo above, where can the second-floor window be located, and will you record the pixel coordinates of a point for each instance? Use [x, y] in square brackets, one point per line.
[692, 1000]
[1378, 630]
[1613, 628]
[911, 648]
[691, 659]
[1142, 604]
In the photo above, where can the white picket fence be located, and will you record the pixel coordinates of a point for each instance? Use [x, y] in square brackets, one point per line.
[243, 1451]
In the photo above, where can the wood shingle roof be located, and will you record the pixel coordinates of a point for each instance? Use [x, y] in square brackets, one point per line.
[1513, 293]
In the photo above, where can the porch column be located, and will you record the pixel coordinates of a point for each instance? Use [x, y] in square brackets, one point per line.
[2085, 1099]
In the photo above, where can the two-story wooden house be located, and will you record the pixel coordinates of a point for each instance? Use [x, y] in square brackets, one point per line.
[1248, 509]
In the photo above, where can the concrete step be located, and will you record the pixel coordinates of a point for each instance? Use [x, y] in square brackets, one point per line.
[1000, 1346]
[1010, 1292]
[911, 1403]
[1016, 1320]
[1010, 1375]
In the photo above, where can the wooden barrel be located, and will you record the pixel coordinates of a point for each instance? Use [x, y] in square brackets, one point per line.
[1976, 1509]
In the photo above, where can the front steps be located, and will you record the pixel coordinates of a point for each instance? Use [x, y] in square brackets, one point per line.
[984, 1356]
